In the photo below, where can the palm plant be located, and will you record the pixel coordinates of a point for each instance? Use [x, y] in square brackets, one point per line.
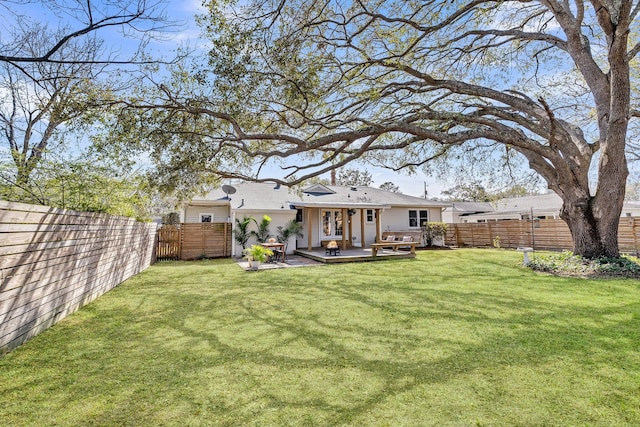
[291, 228]
[241, 231]
[262, 234]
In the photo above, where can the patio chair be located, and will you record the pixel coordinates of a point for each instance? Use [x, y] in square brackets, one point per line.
[275, 257]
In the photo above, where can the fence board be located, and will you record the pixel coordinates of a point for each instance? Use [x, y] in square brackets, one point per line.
[54, 261]
[550, 234]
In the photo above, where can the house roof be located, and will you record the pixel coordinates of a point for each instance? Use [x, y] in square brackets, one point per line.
[541, 202]
[359, 196]
[270, 197]
[470, 207]
[250, 196]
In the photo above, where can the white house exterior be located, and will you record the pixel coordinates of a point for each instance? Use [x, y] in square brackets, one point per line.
[322, 210]
[543, 206]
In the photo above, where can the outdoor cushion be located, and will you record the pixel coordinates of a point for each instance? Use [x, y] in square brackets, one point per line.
[391, 238]
[407, 239]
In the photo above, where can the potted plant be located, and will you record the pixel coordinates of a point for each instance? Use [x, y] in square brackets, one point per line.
[257, 254]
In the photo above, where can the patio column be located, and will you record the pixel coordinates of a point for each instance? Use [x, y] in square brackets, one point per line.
[378, 233]
[309, 230]
[350, 230]
[345, 219]
[362, 228]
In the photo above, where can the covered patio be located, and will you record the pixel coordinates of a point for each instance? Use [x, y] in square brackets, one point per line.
[353, 255]
[327, 222]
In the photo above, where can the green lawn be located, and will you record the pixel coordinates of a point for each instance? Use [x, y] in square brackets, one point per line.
[464, 337]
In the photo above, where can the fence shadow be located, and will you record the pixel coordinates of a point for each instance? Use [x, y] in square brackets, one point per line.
[54, 261]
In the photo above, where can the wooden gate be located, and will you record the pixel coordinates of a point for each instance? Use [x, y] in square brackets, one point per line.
[168, 246]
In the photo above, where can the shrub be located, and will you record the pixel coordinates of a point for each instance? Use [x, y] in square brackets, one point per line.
[568, 263]
[432, 231]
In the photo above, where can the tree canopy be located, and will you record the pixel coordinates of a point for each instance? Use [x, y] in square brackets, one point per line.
[312, 86]
[58, 76]
[85, 183]
[390, 186]
[354, 177]
[83, 20]
[475, 192]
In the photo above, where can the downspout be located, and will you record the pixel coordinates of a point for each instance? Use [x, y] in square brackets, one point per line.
[233, 240]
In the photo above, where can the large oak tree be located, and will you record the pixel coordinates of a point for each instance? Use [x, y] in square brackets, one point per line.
[547, 82]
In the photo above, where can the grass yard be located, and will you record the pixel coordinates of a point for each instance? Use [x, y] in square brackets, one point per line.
[464, 337]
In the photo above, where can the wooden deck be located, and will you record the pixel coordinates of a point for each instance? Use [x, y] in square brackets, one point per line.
[353, 255]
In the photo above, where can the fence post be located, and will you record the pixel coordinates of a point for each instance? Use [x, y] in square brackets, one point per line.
[635, 236]
[473, 239]
[224, 240]
[490, 230]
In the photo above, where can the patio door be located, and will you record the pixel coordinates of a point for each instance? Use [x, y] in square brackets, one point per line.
[332, 224]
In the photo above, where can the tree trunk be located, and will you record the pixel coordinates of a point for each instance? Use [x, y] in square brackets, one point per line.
[594, 231]
[583, 227]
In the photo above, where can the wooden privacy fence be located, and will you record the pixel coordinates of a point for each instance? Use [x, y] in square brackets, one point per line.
[54, 261]
[551, 234]
[194, 240]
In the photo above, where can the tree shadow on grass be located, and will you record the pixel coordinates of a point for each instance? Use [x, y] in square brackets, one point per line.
[267, 339]
[326, 353]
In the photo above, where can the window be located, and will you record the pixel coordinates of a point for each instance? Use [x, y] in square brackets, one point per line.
[299, 217]
[371, 215]
[206, 217]
[418, 218]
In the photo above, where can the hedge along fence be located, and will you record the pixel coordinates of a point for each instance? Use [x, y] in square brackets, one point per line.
[551, 234]
[54, 261]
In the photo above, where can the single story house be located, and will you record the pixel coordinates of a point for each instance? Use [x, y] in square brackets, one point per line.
[352, 216]
[542, 206]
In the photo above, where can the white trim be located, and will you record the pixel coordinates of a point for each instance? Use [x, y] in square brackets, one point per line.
[233, 239]
[319, 189]
[200, 215]
[418, 217]
[321, 225]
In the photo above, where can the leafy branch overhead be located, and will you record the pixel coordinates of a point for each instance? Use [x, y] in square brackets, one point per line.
[83, 21]
[312, 86]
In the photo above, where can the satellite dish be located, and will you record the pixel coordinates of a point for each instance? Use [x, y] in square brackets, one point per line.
[228, 189]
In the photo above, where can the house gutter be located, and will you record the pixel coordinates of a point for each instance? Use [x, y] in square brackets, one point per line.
[344, 205]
